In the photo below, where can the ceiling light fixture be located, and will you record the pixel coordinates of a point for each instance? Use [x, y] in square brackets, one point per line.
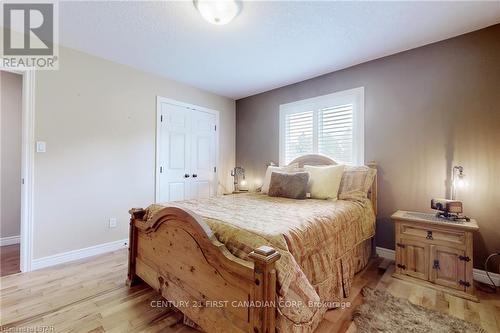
[218, 11]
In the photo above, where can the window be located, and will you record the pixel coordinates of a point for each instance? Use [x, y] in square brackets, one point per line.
[331, 125]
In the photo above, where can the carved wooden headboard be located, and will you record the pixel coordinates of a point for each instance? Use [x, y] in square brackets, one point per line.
[316, 159]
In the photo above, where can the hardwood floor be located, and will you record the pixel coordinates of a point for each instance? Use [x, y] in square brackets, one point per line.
[486, 313]
[9, 259]
[90, 295]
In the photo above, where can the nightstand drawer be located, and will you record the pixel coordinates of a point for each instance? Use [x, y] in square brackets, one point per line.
[450, 236]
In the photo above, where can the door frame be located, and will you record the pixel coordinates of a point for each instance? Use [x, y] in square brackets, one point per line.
[27, 165]
[159, 100]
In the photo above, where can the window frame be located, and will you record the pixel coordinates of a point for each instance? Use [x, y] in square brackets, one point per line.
[355, 96]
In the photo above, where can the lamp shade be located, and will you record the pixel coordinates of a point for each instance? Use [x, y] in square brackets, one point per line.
[219, 11]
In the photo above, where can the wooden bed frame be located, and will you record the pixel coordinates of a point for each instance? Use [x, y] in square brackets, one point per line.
[177, 254]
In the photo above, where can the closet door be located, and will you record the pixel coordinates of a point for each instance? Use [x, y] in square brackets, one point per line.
[203, 155]
[187, 153]
[174, 152]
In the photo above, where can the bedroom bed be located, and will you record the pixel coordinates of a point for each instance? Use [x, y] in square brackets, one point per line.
[251, 262]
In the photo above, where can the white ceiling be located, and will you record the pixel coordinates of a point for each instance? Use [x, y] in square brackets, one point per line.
[270, 44]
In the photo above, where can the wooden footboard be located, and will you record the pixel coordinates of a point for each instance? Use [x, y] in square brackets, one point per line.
[177, 254]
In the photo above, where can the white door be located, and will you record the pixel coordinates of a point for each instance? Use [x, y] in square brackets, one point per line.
[186, 149]
[202, 155]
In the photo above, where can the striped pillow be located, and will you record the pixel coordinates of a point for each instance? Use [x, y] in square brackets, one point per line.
[356, 182]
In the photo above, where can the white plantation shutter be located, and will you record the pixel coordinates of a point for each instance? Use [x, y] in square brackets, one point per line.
[332, 125]
[335, 133]
[299, 129]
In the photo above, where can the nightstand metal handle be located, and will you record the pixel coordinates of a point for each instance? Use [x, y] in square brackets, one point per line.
[464, 283]
[429, 234]
[436, 264]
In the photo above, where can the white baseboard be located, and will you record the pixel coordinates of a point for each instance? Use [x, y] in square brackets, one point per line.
[78, 254]
[386, 253]
[479, 274]
[11, 240]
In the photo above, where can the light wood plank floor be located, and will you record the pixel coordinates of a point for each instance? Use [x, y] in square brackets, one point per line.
[90, 295]
[9, 259]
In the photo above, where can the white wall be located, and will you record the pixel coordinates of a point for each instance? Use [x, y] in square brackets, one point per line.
[11, 86]
[98, 119]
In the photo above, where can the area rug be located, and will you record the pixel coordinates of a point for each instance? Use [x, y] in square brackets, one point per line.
[382, 312]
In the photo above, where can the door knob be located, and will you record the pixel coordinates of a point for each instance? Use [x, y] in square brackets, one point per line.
[186, 175]
[195, 175]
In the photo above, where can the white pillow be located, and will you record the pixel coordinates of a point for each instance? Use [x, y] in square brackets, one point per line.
[324, 181]
[270, 170]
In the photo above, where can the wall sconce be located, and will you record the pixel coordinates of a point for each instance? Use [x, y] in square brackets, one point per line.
[458, 180]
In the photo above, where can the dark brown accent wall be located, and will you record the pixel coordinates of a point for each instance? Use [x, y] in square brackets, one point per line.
[426, 110]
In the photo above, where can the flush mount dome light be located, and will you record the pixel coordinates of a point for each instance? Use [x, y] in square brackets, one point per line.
[218, 11]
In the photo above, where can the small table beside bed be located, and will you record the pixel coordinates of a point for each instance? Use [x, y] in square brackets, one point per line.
[254, 262]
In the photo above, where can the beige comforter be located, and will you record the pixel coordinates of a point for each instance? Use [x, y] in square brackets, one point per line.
[311, 235]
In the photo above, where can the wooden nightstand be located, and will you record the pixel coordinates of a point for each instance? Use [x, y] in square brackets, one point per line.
[435, 252]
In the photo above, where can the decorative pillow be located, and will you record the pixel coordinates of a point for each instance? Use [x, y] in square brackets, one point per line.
[289, 185]
[271, 169]
[356, 182]
[324, 181]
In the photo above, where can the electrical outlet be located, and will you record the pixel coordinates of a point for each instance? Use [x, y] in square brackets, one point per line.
[112, 222]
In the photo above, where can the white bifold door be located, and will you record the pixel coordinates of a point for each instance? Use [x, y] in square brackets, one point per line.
[186, 153]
